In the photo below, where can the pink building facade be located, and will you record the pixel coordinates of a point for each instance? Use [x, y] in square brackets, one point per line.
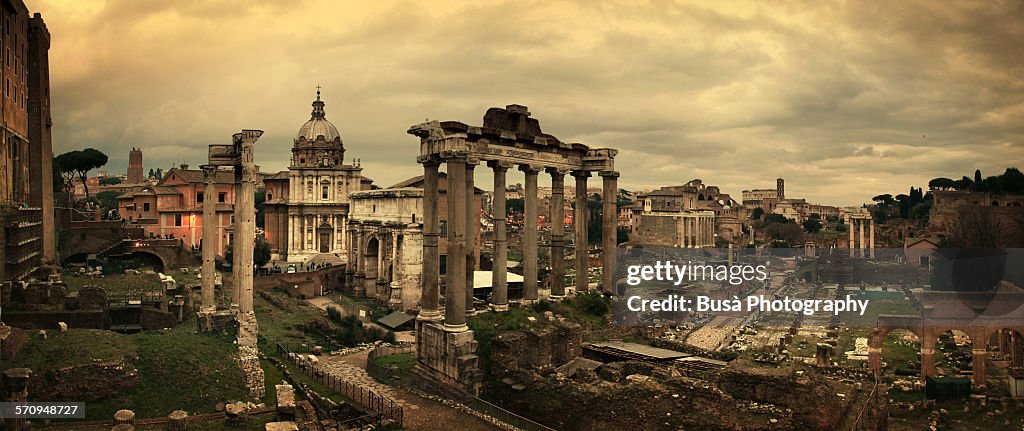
[174, 207]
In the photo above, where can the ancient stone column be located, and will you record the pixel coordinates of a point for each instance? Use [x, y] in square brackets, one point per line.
[860, 241]
[245, 229]
[978, 356]
[359, 277]
[393, 299]
[14, 387]
[875, 353]
[472, 225]
[429, 289]
[1016, 348]
[557, 276]
[380, 282]
[530, 235]
[580, 221]
[699, 224]
[236, 257]
[871, 240]
[927, 355]
[499, 276]
[124, 417]
[209, 242]
[455, 279]
[177, 421]
[851, 228]
[610, 240]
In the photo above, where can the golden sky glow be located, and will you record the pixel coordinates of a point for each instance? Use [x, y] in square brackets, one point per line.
[845, 100]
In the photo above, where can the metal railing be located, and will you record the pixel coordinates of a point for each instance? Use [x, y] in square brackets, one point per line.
[359, 395]
[503, 415]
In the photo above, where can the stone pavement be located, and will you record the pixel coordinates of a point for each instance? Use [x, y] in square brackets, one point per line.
[420, 413]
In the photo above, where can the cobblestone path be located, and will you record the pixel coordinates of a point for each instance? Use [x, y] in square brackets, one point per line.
[420, 413]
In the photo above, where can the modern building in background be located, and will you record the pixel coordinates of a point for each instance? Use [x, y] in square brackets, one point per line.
[27, 231]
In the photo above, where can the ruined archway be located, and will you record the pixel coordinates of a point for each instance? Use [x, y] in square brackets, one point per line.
[1007, 345]
[145, 258]
[370, 255]
[953, 353]
[901, 352]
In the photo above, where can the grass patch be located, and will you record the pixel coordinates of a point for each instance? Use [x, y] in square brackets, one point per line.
[179, 370]
[392, 369]
[279, 321]
[76, 347]
[121, 284]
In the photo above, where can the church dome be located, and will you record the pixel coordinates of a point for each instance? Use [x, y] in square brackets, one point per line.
[318, 124]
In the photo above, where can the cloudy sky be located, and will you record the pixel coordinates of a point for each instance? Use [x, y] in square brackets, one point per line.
[845, 100]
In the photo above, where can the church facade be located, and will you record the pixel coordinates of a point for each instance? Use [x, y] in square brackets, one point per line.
[307, 207]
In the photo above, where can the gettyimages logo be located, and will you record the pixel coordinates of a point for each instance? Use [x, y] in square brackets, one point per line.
[824, 287]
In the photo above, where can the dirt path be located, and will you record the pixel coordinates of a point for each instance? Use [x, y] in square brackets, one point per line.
[420, 413]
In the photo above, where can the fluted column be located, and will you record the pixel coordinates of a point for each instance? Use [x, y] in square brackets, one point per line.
[455, 279]
[580, 222]
[499, 273]
[530, 239]
[246, 235]
[472, 226]
[209, 242]
[557, 276]
[429, 289]
[610, 240]
[236, 257]
[850, 227]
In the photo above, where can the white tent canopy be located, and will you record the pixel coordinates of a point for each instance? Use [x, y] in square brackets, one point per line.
[482, 279]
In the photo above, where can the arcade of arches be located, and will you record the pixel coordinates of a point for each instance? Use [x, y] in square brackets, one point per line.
[999, 339]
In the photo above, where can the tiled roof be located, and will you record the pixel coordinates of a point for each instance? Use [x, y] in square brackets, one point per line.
[197, 176]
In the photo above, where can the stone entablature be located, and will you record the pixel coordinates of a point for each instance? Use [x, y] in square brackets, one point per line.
[387, 245]
[508, 139]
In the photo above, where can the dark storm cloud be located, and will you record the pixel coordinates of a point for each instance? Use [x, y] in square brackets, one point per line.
[845, 100]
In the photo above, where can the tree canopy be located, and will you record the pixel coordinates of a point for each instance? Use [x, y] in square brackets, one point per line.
[79, 163]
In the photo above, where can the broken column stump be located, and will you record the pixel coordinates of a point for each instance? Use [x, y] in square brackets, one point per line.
[177, 421]
[126, 417]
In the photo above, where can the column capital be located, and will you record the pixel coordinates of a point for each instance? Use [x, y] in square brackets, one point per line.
[556, 171]
[471, 162]
[530, 169]
[499, 165]
[580, 174]
[209, 172]
[609, 174]
[429, 160]
[456, 156]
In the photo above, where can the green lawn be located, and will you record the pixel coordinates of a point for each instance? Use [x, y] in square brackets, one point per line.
[178, 368]
[120, 284]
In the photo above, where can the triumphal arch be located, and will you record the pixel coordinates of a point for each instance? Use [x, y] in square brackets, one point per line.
[508, 138]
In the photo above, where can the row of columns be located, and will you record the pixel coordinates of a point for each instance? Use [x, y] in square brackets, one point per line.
[697, 231]
[463, 222]
[244, 237]
[859, 222]
[302, 225]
